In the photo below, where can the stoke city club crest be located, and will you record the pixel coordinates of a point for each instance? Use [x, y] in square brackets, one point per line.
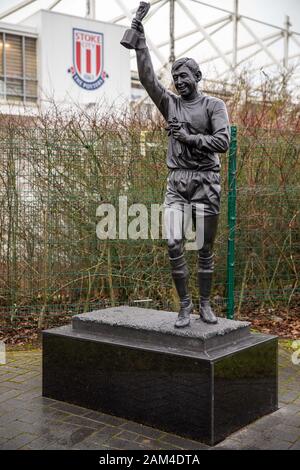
[88, 59]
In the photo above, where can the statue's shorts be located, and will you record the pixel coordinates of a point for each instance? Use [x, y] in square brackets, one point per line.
[201, 189]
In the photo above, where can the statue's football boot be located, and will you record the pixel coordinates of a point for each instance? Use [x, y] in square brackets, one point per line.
[183, 319]
[206, 313]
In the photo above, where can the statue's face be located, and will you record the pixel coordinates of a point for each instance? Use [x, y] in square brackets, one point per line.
[185, 81]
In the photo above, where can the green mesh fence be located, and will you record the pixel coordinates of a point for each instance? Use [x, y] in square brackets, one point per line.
[53, 265]
[267, 250]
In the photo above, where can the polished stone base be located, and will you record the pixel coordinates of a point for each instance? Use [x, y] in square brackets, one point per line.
[203, 382]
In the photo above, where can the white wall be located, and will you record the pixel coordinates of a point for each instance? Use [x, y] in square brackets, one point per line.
[55, 57]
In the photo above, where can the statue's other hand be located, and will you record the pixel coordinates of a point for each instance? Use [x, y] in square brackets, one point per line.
[138, 26]
[180, 134]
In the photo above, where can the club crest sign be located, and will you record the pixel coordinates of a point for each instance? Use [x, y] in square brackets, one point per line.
[88, 58]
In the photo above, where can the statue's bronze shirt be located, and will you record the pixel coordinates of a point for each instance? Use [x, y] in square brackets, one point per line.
[206, 119]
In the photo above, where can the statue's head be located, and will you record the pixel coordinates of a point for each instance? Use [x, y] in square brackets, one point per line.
[186, 76]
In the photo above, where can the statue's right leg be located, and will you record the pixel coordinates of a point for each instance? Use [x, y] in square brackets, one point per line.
[180, 274]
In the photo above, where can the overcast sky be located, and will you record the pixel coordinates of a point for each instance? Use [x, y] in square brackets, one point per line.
[157, 28]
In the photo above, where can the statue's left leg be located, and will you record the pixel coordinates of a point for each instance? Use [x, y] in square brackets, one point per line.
[206, 208]
[206, 268]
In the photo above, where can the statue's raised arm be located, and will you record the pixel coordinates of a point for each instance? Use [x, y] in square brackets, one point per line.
[134, 38]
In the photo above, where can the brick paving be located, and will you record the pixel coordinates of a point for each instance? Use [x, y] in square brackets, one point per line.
[29, 421]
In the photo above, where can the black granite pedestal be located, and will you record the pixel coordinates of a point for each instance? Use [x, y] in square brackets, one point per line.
[202, 382]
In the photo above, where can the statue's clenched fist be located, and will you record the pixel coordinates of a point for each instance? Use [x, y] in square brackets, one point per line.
[138, 26]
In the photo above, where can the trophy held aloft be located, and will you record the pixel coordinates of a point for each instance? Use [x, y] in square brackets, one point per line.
[131, 36]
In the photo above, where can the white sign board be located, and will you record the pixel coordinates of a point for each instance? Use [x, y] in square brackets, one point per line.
[80, 60]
